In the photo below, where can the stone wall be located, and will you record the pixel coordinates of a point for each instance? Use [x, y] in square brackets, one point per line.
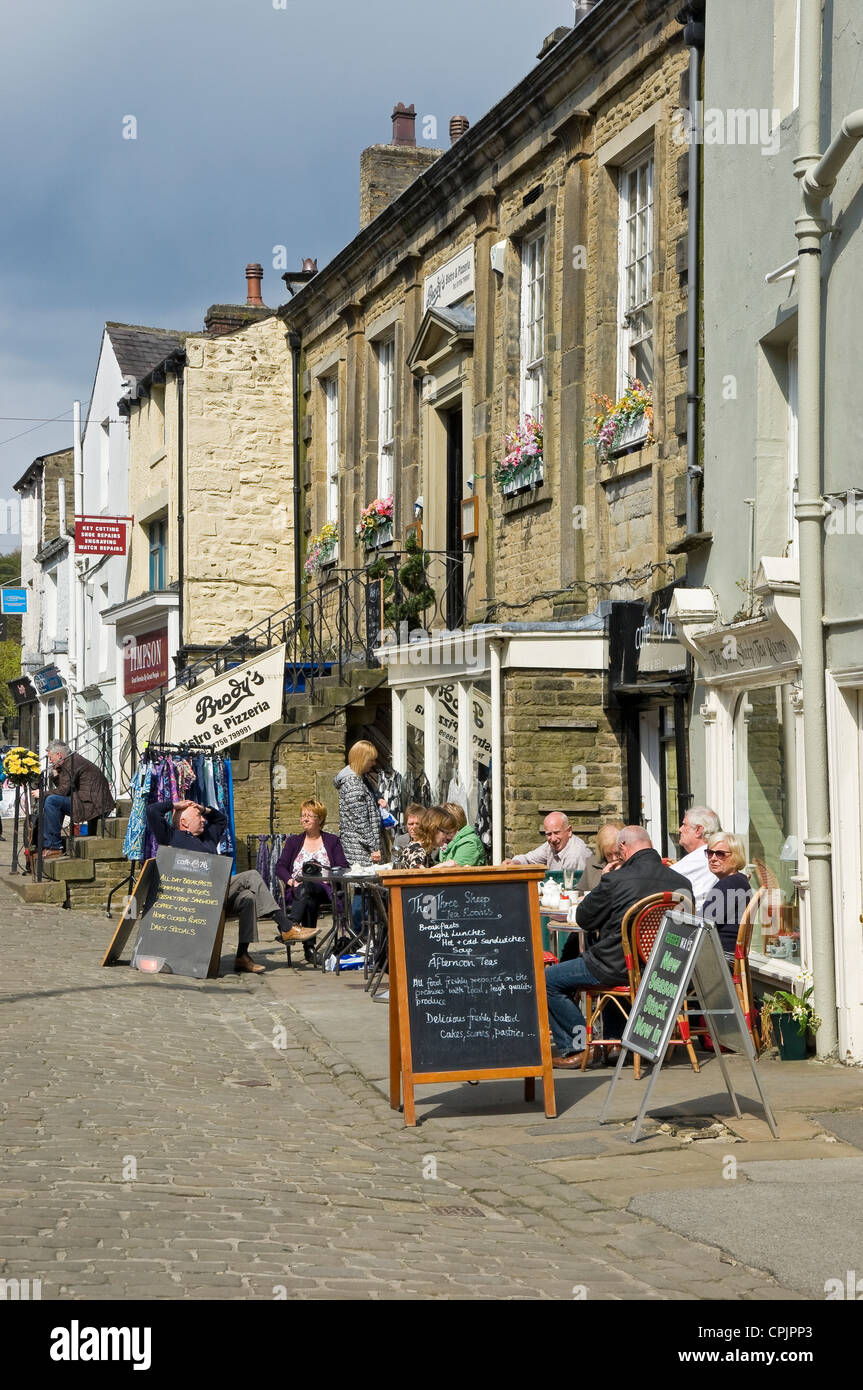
[386, 171]
[57, 466]
[561, 752]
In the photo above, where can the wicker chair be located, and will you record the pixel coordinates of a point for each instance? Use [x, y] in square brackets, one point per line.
[742, 977]
[595, 999]
[639, 927]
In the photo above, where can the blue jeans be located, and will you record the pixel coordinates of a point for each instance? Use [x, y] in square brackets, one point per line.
[56, 808]
[568, 1025]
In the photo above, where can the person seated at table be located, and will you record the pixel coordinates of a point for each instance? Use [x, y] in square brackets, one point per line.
[187, 825]
[434, 829]
[725, 902]
[641, 873]
[604, 858]
[407, 836]
[304, 897]
[464, 849]
[562, 849]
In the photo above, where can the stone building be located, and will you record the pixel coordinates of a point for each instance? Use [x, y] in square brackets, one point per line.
[537, 261]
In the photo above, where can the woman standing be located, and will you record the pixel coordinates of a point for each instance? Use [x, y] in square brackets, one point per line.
[359, 813]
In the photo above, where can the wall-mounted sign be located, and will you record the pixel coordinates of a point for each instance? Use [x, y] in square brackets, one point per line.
[447, 718]
[13, 600]
[230, 707]
[101, 535]
[451, 282]
[760, 647]
[22, 691]
[145, 661]
[47, 679]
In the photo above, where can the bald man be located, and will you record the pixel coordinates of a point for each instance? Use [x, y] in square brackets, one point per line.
[641, 873]
[201, 828]
[562, 848]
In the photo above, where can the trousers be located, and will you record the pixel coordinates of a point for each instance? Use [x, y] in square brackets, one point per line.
[57, 808]
[568, 1024]
[249, 898]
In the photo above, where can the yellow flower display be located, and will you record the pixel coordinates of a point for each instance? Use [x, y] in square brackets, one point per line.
[21, 767]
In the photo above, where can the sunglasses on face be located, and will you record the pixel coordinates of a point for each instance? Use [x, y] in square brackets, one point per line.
[718, 854]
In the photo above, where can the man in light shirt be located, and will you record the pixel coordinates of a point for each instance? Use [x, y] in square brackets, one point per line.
[698, 823]
[562, 849]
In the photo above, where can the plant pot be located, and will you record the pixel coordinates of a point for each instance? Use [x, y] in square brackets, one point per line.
[790, 1041]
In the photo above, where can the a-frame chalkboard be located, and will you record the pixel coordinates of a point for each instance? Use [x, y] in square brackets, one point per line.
[686, 955]
[178, 906]
[467, 988]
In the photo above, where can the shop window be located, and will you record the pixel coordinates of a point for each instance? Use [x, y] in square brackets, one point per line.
[765, 814]
[635, 291]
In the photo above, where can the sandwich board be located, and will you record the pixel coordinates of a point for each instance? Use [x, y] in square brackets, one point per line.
[178, 906]
[686, 954]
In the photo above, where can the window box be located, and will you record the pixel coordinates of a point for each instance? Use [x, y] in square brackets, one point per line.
[376, 523]
[631, 436]
[529, 475]
[381, 535]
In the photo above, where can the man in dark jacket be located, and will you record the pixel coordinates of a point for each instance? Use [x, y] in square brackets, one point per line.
[641, 873]
[201, 828]
[80, 790]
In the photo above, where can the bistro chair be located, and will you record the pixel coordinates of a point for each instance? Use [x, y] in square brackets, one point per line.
[595, 999]
[640, 925]
[742, 977]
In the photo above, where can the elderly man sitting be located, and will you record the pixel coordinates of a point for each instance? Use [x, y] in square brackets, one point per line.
[562, 848]
[201, 828]
[641, 873]
[697, 826]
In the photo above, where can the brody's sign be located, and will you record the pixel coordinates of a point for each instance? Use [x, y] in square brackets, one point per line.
[230, 707]
[453, 281]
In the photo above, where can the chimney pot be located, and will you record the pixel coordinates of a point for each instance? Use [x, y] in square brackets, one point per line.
[310, 267]
[457, 127]
[404, 124]
[254, 276]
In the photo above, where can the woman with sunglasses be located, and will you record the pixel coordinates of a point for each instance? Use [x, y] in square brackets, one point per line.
[725, 902]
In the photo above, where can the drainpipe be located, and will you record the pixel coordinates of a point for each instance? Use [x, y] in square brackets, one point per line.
[295, 343]
[181, 515]
[496, 753]
[77, 615]
[817, 177]
[693, 34]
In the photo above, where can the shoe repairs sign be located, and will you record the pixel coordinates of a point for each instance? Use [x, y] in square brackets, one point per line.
[230, 707]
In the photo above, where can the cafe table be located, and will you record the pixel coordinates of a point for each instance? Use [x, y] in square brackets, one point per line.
[344, 938]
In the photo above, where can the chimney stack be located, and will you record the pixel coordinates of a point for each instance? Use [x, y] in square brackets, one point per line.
[404, 124]
[457, 127]
[254, 276]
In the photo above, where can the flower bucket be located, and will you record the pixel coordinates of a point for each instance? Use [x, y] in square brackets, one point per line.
[790, 1041]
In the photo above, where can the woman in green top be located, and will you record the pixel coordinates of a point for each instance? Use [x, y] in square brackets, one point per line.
[465, 849]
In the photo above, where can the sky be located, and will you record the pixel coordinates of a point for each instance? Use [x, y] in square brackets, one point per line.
[249, 119]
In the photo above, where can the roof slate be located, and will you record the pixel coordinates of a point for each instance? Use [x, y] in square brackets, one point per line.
[139, 350]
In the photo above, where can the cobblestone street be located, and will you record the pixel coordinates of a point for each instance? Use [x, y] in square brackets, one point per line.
[156, 1144]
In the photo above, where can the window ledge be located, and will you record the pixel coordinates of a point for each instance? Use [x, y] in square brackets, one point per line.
[622, 465]
[522, 501]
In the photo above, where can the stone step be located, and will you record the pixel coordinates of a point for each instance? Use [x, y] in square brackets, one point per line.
[29, 891]
[99, 847]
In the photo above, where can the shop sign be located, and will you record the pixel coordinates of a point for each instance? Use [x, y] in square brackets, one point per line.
[763, 647]
[451, 282]
[47, 679]
[230, 707]
[22, 691]
[145, 661]
[447, 718]
[100, 535]
[656, 640]
[13, 600]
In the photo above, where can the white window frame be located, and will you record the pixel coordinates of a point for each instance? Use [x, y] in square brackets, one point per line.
[331, 399]
[386, 417]
[532, 325]
[635, 266]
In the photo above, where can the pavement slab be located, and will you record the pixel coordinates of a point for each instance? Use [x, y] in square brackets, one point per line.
[231, 1138]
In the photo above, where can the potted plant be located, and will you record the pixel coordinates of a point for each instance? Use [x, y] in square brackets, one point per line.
[322, 549]
[617, 426]
[376, 523]
[521, 465]
[790, 1017]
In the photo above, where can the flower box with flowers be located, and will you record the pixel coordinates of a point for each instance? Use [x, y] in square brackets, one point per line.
[521, 465]
[323, 550]
[625, 424]
[376, 523]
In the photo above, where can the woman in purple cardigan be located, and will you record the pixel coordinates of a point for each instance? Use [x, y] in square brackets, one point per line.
[303, 896]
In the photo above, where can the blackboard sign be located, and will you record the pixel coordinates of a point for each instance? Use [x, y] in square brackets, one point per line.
[663, 988]
[182, 918]
[467, 991]
[471, 980]
[374, 613]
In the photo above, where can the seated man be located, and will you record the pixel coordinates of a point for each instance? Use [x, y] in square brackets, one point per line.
[641, 873]
[698, 823]
[201, 828]
[80, 790]
[562, 848]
